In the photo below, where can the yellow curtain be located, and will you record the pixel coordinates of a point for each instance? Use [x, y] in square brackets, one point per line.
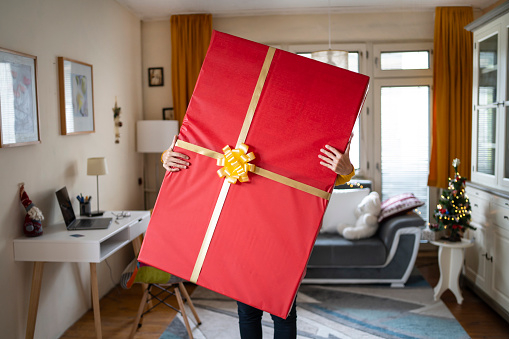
[452, 94]
[190, 39]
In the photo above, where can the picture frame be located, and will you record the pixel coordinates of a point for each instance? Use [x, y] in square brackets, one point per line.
[76, 91]
[155, 76]
[19, 105]
[168, 113]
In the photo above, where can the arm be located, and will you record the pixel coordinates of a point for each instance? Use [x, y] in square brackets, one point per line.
[174, 161]
[338, 162]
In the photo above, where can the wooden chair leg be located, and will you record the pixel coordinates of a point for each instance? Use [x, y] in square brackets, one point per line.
[183, 289]
[140, 312]
[183, 310]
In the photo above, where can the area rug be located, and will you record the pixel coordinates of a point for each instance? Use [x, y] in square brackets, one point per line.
[335, 311]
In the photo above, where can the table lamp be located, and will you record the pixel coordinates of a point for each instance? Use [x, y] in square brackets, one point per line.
[155, 136]
[97, 167]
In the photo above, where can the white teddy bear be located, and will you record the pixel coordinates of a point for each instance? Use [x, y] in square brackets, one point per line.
[367, 214]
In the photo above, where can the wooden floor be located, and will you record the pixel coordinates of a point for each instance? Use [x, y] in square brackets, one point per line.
[119, 307]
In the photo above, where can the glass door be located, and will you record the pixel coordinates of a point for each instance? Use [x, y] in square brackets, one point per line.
[403, 114]
[486, 105]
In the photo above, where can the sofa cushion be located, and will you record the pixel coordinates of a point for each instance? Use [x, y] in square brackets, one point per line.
[398, 204]
[332, 250]
[340, 210]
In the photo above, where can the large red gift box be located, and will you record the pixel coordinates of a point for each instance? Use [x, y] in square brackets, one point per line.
[251, 240]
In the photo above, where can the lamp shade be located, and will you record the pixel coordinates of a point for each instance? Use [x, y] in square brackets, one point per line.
[155, 136]
[97, 166]
[332, 57]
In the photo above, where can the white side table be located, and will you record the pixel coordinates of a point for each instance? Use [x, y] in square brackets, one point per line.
[450, 259]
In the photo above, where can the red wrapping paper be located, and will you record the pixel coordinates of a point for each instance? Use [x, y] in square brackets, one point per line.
[266, 230]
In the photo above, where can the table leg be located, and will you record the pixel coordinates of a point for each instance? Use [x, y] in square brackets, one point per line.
[35, 292]
[457, 255]
[95, 300]
[450, 263]
[443, 263]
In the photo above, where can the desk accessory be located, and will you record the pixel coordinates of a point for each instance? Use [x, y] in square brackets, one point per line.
[97, 167]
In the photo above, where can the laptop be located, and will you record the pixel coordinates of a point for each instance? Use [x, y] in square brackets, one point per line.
[71, 222]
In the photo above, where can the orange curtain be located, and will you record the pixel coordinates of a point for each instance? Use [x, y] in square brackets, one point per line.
[452, 94]
[190, 39]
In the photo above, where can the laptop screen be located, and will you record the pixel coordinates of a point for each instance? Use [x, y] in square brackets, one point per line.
[65, 205]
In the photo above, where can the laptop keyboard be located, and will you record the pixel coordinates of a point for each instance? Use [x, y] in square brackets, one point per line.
[83, 223]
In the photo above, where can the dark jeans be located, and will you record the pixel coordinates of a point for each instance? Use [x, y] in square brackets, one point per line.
[250, 323]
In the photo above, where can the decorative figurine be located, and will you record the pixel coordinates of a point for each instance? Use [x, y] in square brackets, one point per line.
[118, 123]
[32, 226]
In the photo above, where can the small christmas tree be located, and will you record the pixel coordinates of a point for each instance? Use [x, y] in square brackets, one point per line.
[453, 210]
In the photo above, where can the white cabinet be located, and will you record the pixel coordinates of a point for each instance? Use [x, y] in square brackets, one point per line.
[490, 119]
[477, 259]
[486, 264]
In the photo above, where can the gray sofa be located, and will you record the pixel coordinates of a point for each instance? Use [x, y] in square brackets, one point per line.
[386, 257]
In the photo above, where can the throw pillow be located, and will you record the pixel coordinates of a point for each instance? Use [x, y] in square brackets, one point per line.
[342, 205]
[398, 204]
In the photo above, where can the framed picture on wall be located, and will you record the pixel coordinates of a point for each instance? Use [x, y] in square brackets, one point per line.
[76, 90]
[155, 76]
[19, 111]
[168, 113]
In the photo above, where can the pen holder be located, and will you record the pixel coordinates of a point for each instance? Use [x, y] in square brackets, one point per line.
[85, 209]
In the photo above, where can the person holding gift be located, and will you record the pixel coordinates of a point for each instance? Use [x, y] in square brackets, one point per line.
[249, 317]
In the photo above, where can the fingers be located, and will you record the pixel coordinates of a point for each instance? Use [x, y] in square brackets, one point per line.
[328, 160]
[329, 154]
[327, 165]
[333, 150]
[174, 161]
[173, 143]
[347, 150]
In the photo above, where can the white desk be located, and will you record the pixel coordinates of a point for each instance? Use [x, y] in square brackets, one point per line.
[450, 260]
[58, 245]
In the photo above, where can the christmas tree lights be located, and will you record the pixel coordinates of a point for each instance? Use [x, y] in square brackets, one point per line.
[453, 209]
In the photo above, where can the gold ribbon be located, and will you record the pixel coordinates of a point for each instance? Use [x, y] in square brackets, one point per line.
[260, 171]
[236, 164]
[236, 169]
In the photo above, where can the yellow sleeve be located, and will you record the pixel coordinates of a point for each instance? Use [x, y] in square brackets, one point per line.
[341, 179]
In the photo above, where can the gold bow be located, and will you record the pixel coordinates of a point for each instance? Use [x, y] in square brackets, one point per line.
[235, 163]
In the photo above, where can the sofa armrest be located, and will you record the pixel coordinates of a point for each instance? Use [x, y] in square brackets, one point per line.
[388, 228]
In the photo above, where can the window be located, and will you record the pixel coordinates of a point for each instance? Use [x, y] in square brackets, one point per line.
[402, 121]
[404, 150]
[404, 60]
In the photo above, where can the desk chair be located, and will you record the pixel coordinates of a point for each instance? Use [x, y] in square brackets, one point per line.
[158, 285]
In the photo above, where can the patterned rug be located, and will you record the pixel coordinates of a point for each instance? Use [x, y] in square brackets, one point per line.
[335, 311]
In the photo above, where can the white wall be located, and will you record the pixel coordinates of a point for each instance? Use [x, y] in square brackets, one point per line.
[106, 35]
[348, 27]
[156, 52]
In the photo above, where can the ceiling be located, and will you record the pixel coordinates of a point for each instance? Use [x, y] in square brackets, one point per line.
[162, 9]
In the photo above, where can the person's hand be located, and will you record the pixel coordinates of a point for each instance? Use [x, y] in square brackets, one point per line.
[338, 162]
[174, 161]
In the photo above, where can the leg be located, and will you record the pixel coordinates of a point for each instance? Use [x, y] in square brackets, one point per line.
[95, 300]
[444, 262]
[186, 295]
[457, 257]
[286, 328]
[250, 321]
[143, 302]
[35, 292]
[183, 311]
